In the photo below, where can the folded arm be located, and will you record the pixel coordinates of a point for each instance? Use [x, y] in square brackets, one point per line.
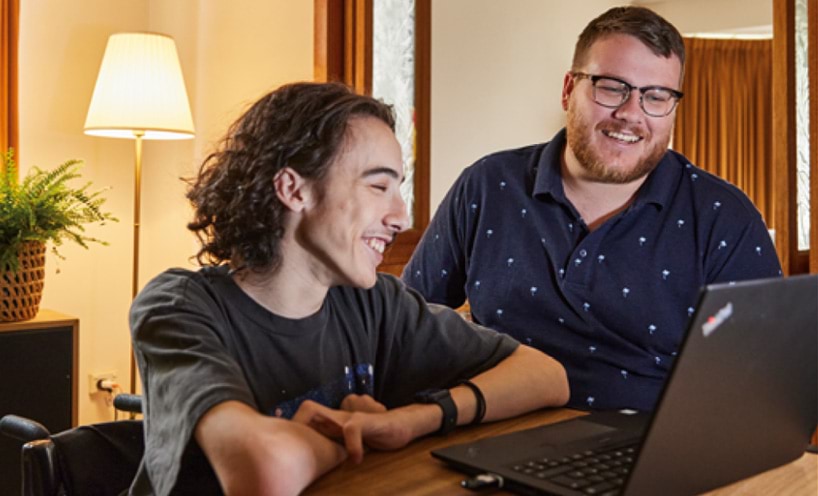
[260, 455]
[526, 380]
[255, 454]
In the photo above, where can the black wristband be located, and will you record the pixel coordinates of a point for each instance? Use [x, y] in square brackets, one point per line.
[480, 408]
[443, 399]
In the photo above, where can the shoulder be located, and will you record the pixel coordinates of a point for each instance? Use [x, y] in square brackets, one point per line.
[179, 283]
[176, 289]
[507, 170]
[494, 164]
[708, 190]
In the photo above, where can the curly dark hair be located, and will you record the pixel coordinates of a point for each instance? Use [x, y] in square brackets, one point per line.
[649, 27]
[238, 217]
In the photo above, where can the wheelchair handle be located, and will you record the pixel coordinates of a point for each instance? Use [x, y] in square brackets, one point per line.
[128, 403]
[22, 428]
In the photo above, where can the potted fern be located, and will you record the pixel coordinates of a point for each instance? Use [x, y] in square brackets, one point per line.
[39, 208]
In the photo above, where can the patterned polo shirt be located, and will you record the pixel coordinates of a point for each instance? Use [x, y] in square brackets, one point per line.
[611, 305]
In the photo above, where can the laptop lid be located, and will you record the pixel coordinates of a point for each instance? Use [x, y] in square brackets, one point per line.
[742, 398]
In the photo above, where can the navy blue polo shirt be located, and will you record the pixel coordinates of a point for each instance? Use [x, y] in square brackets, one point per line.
[611, 305]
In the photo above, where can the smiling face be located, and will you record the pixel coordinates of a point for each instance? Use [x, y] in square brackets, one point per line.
[624, 144]
[357, 208]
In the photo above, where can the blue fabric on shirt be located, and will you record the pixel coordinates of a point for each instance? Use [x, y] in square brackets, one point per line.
[611, 305]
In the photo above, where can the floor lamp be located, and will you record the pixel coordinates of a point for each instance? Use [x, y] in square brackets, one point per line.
[140, 94]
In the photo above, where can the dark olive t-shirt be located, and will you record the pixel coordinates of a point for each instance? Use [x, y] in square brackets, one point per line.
[200, 340]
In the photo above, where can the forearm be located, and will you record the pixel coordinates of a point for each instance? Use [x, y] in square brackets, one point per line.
[526, 380]
[255, 454]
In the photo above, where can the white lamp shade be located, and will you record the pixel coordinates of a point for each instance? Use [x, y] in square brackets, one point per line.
[140, 89]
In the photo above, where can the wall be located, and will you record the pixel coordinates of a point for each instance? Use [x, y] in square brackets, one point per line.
[497, 72]
[231, 53]
[721, 15]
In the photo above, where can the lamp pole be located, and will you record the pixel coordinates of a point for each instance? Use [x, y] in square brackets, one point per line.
[137, 209]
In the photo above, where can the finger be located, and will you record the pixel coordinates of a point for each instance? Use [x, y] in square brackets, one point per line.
[349, 402]
[362, 403]
[327, 427]
[321, 418]
[353, 441]
[374, 406]
[306, 411]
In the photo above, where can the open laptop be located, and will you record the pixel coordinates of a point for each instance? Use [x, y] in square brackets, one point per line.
[741, 398]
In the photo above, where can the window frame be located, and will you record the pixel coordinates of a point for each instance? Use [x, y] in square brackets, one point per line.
[793, 260]
[343, 52]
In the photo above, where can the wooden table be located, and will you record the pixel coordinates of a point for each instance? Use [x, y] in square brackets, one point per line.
[413, 471]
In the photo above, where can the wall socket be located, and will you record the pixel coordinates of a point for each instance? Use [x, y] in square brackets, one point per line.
[93, 379]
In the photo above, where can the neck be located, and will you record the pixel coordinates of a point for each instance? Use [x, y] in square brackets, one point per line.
[595, 201]
[285, 291]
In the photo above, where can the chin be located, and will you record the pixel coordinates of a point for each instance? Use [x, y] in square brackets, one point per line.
[369, 284]
[616, 170]
[363, 281]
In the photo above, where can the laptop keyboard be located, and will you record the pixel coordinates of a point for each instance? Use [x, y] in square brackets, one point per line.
[597, 472]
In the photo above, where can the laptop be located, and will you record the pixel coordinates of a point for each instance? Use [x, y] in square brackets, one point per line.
[741, 398]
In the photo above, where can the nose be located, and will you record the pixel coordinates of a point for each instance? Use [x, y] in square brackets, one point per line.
[397, 219]
[631, 110]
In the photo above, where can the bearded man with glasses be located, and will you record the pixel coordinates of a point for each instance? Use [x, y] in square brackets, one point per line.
[593, 247]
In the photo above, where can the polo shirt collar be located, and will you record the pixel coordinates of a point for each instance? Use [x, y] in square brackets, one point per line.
[548, 181]
[657, 188]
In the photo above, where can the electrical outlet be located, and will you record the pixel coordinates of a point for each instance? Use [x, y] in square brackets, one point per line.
[93, 380]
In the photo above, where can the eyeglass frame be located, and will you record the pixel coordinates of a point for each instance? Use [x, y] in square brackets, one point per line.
[593, 78]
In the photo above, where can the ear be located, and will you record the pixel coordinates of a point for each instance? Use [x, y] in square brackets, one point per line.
[292, 190]
[567, 89]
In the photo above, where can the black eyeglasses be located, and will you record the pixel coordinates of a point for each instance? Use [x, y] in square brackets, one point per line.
[610, 92]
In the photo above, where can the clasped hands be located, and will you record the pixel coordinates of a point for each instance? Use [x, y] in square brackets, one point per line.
[361, 421]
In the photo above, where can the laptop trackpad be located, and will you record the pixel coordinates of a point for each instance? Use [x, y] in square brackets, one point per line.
[565, 433]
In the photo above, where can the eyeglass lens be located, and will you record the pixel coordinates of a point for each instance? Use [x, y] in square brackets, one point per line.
[656, 102]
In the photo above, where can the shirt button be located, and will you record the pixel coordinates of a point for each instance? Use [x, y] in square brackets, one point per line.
[583, 253]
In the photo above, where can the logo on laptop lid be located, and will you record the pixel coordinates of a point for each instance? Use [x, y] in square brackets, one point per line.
[715, 321]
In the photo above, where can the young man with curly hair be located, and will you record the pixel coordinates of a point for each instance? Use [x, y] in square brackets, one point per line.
[287, 353]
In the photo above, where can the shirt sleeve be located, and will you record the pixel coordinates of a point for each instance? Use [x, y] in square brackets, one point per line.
[438, 267]
[431, 346]
[184, 367]
[740, 248]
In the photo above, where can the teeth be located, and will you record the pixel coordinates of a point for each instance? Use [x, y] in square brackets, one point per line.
[376, 244]
[630, 138]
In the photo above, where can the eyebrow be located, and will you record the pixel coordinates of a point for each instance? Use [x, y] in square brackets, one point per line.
[382, 170]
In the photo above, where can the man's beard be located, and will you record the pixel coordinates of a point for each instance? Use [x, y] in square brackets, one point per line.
[579, 139]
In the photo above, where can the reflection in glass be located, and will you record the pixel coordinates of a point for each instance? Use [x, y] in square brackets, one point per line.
[802, 123]
[393, 76]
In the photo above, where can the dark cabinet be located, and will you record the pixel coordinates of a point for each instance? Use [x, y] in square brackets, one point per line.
[38, 380]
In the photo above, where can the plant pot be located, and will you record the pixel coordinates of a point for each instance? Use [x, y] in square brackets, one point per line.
[21, 291]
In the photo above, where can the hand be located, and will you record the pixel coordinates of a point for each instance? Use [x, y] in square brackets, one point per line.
[386, 430]
[362, 403]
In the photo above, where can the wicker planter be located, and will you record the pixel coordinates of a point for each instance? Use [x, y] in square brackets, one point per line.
[20, 291]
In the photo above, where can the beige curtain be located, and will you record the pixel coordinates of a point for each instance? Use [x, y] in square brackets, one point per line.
[724, 122]
[9, 24]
